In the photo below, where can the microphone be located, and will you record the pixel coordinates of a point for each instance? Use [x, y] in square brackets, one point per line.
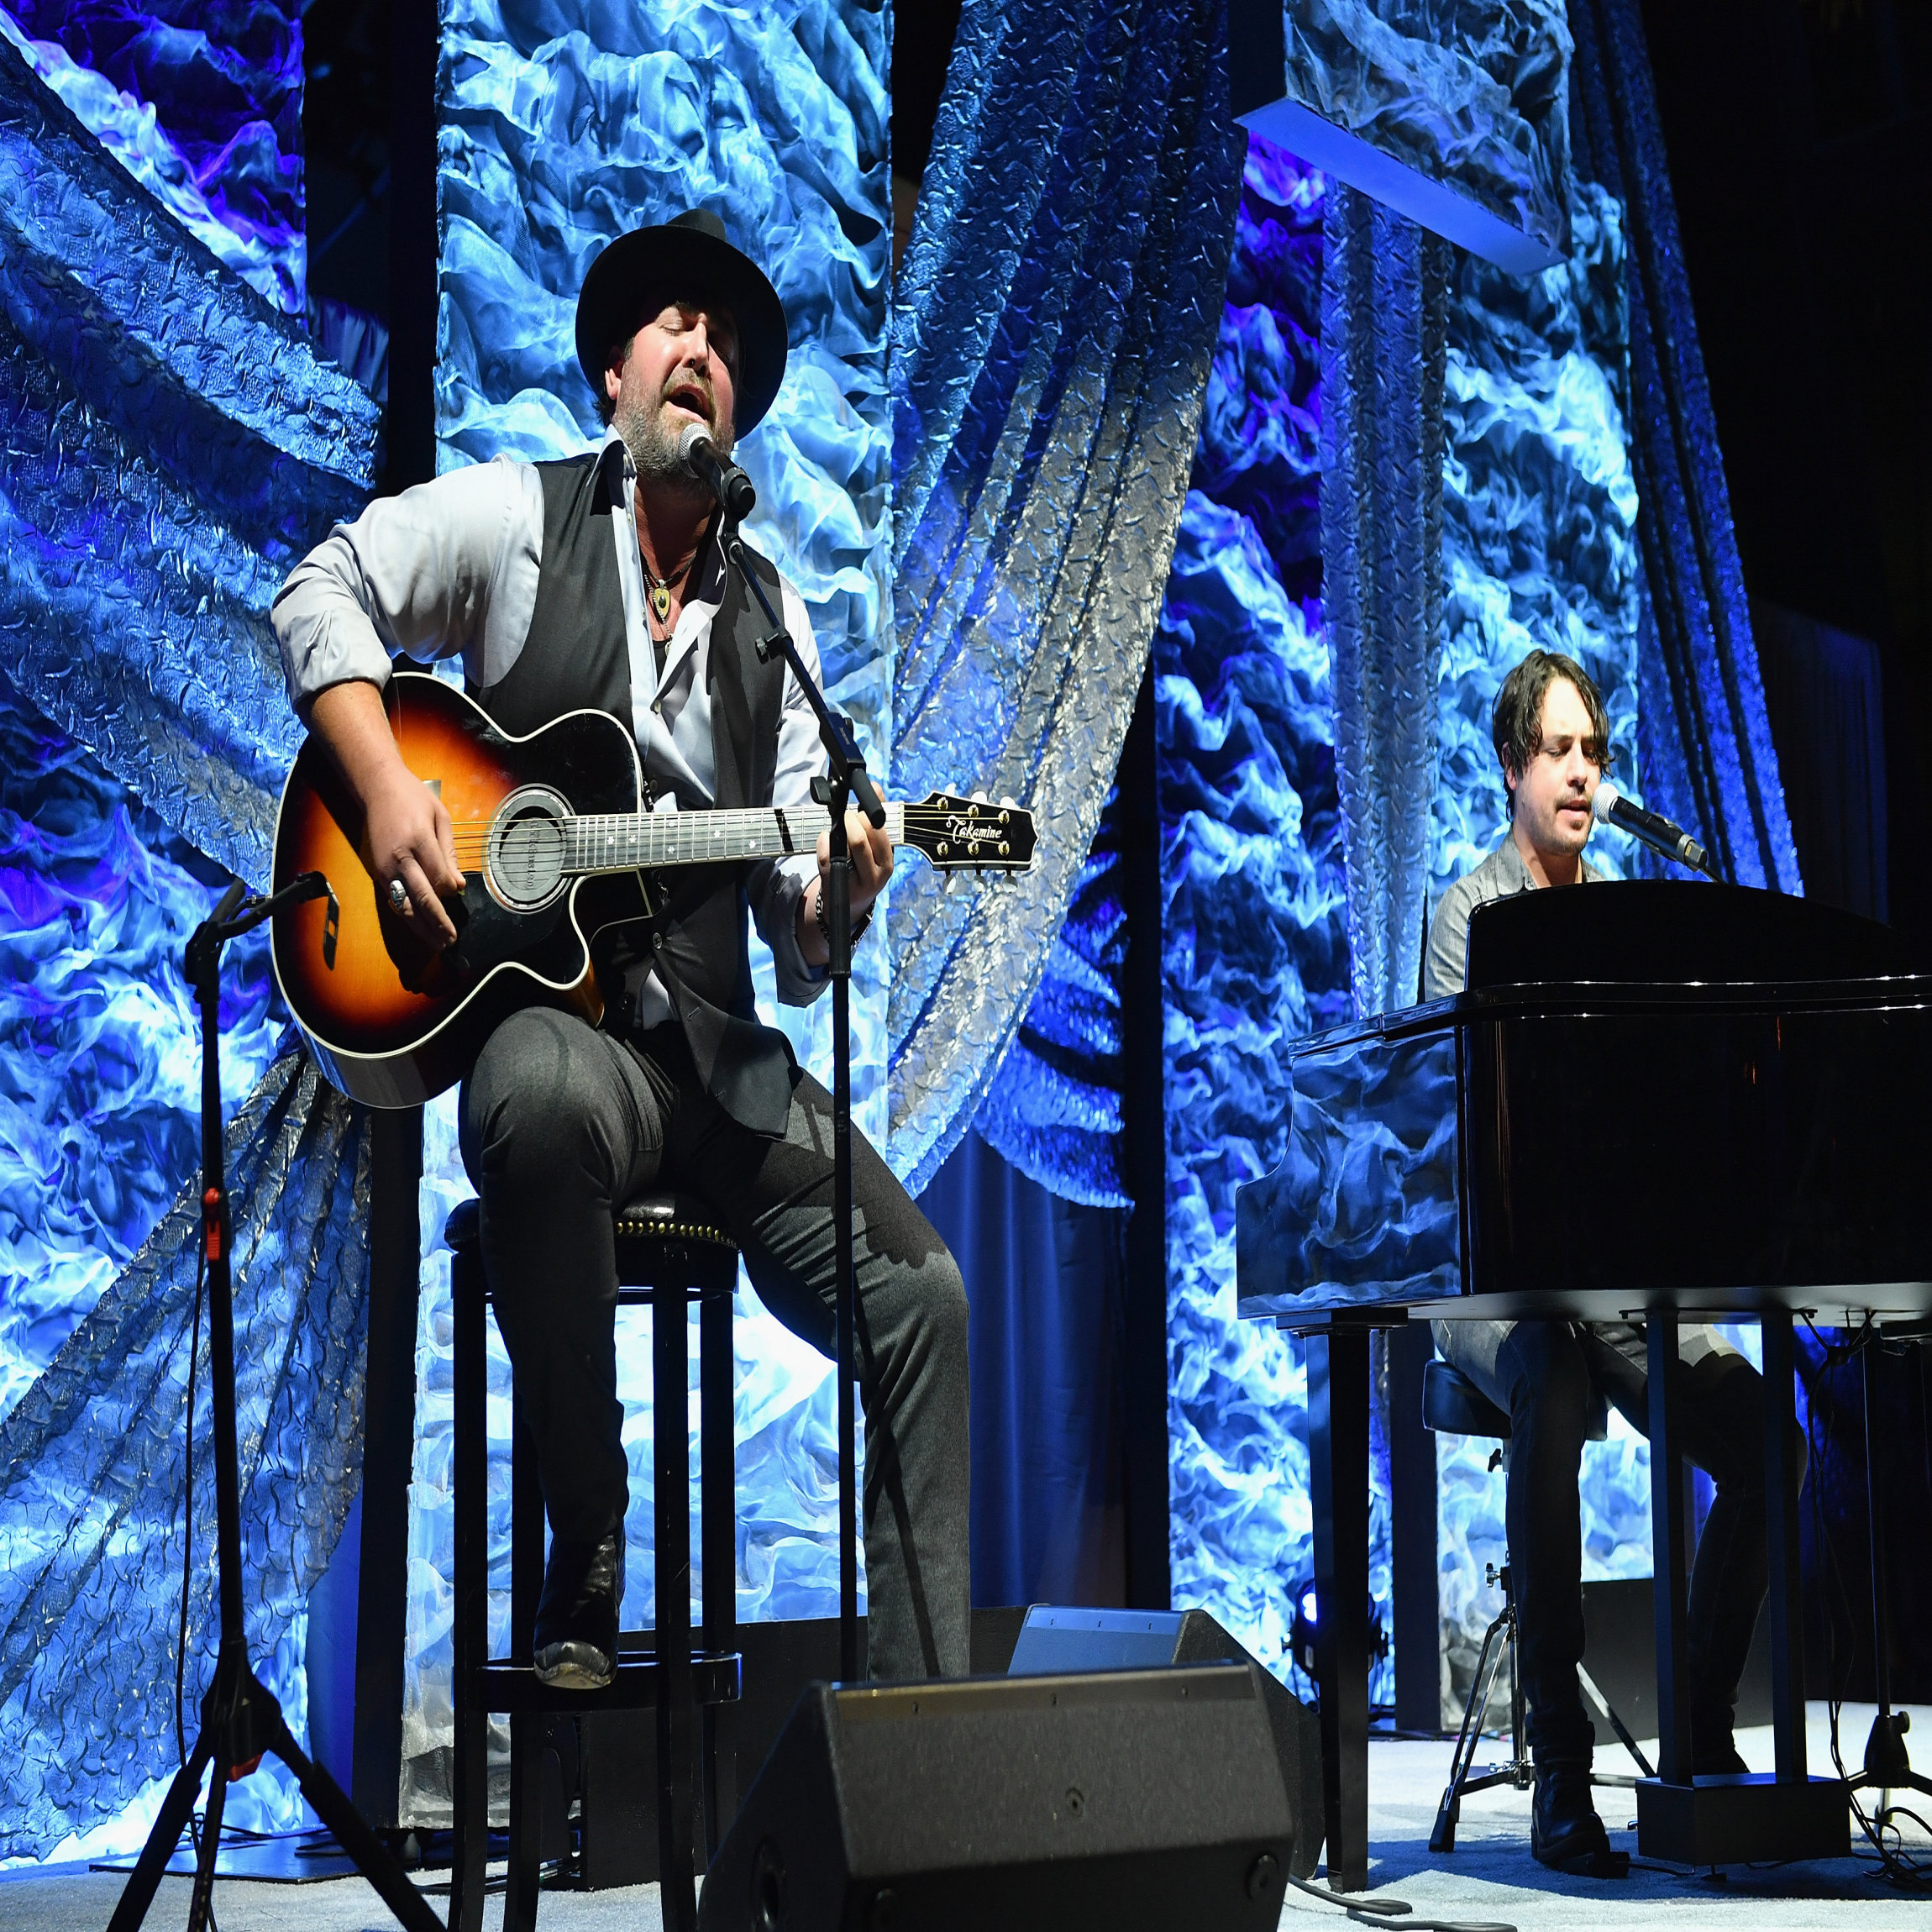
[1610, 807]
[718, 474]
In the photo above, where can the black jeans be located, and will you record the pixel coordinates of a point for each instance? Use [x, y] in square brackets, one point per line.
[560, 1125]
[1546, 1372]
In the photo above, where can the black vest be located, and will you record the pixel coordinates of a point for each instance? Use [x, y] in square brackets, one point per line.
[576, 657]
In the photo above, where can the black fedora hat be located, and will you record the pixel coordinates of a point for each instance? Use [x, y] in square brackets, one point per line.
[684, 257]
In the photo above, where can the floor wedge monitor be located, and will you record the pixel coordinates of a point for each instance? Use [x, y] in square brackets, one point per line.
[1130, 1800]
[1059, 1638]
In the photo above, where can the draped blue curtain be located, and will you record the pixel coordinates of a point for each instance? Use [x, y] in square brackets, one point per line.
[171, 443]
[1825, 691]
[1706, 750]
[1044, 1276]
[1055, 319]
[1384, 337]
[92, 1494]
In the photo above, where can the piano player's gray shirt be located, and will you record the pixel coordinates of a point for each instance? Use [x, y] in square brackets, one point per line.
[1473, 1345]
[1502, 876]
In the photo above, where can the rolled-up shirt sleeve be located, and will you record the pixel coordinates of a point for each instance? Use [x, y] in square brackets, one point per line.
[1443, 965]
[446, 567]
[776, 886]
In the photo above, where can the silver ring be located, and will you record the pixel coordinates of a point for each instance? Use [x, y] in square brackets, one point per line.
[398, 894]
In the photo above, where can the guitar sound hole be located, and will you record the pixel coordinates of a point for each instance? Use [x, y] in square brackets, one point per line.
[527, 851]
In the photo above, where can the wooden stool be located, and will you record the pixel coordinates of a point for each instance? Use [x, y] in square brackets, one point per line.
[667, 1252]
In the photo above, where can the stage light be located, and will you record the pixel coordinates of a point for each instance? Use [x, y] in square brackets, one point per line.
[1307, 1616]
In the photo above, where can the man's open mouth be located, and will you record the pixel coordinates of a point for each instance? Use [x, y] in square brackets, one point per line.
[689, 397]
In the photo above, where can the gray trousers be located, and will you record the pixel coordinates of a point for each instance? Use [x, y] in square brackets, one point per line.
[561, 1124]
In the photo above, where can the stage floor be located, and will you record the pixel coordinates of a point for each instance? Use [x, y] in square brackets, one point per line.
[1489, 1877]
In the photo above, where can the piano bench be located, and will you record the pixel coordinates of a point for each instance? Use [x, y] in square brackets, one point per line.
[1454, 1405]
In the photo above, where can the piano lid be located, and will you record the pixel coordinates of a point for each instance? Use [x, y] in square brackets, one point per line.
[1660, 931]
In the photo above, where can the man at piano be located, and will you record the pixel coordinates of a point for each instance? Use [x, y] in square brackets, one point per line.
[1552, 737]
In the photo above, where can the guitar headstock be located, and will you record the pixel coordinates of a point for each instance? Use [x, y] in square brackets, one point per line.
[957, 833]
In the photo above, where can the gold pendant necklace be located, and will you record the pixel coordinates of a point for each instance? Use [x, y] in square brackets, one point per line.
[661, 587]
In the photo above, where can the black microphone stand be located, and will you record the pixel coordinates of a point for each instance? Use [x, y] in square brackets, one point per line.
[240, 1721]
[846, 781]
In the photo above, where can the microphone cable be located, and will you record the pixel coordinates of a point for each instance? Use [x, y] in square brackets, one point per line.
[188, 1545]
[1392, 1914]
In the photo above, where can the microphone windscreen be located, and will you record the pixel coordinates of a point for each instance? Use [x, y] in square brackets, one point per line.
[1607, 796]
[695, 433]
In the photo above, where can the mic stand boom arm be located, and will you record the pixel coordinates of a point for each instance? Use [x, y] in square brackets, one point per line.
[847, 780]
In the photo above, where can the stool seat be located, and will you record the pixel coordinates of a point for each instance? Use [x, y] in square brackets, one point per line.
[661, 1214]
[1453, 1405]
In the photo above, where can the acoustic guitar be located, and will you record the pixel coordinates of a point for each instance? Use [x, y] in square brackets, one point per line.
[554, 848]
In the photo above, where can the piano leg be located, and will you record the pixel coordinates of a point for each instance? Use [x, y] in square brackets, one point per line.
[1338, 1470]
[1730, 1820]
[1668, 1550]
[1787, 1603]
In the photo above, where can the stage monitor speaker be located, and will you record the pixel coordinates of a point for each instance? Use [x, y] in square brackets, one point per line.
[1055, 1637]
[1130, 1800]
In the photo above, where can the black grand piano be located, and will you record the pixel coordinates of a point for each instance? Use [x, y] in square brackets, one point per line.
[1729, 1089]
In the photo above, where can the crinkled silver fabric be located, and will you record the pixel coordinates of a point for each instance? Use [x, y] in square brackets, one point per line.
[1384, 317]
[1056, 322]
[90, 1501]
[1468, 92]
[168, 446]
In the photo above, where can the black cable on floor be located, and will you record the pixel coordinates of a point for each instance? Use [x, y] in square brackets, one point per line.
[1392, 1914]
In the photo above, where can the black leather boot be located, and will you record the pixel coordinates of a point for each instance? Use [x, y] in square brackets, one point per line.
[576, 1644]
[1565, 1832]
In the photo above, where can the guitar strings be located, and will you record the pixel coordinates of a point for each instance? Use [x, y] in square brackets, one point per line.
[476, 834]
[755, 814]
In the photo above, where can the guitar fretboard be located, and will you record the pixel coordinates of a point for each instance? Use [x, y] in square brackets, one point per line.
[633, 842]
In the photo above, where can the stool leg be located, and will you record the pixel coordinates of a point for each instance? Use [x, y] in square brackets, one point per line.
[527, 1729]
[1463, 1759]
[1519, 1750]
[470, 1474]
[670, 1372]
[717, 1472]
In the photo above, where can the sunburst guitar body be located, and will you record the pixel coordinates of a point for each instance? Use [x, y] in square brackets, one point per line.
[554, 847]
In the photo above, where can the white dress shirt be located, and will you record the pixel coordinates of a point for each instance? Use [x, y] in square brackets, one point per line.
[450, 568]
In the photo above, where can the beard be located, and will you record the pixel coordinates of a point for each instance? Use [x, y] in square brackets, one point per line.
[653, 445]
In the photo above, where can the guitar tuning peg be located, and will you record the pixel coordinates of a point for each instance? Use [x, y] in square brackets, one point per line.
[980, 798]
[1010, 804]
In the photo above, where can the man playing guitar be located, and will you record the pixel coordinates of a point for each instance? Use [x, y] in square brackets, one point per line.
[599, 583]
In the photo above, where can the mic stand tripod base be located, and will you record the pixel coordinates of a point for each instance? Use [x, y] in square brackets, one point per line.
[241, 1724]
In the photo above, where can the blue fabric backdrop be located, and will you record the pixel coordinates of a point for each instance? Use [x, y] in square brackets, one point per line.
[1040, 457]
